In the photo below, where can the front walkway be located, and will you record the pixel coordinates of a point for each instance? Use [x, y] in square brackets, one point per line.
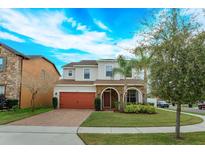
[122, 130]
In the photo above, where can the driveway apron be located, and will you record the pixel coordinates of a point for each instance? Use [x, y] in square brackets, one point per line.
[57, 127]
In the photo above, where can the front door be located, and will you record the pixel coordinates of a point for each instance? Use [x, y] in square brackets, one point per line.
[106, 99]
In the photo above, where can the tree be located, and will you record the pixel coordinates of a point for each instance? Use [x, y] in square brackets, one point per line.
[36, 84]
[142, 62]
[178, 65]
[124, 69]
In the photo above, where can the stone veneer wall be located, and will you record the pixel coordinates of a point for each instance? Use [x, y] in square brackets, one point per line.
[11, 76]
[120, 89]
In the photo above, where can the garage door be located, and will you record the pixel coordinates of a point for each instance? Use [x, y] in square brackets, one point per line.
[77, 100]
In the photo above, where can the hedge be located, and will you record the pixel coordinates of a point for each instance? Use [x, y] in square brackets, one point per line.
[137, 108]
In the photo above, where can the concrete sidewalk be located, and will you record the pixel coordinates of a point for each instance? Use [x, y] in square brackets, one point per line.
[121, 130]
[39, 135]
[51, 135]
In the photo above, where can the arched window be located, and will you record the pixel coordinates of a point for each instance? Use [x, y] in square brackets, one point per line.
[132, 96]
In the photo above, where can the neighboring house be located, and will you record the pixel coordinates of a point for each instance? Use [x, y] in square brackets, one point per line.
[13, 65]
[83, 81]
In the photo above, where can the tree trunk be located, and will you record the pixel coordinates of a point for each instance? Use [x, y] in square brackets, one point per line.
[145, 85]
[178, 113]
[33, 101]
[125, 95]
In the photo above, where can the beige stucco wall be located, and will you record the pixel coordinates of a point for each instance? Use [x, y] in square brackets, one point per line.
[34, 67]
[65, 73]
[79, 73]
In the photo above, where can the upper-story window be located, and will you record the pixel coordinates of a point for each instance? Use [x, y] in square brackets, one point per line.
[70, 73]
[86, 73]
[109, 71]
[2, 90]
[2, 63]
[43, 74]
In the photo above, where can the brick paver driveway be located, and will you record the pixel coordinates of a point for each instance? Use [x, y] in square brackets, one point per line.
[60, 117]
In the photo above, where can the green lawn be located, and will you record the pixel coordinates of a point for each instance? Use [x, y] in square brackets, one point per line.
[115, 119]
[143, 139]
[10, 116]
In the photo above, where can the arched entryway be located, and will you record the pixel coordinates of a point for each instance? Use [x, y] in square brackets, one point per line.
[133, 95]
[108, 97]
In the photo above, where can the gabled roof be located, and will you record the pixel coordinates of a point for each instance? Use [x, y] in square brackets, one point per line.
[13, 51]
[82, 62]
[69, 81]
[28, 56]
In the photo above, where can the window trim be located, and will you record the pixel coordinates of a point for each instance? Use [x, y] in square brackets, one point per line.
[108, 71]
[70, 71]
[136, 96]
[4, 64]
[84, 74]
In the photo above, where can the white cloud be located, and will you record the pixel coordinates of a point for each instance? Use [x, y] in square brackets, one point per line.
[82, 27]
[77, 25]
[71, 57]
[101, 25]
[72, 21]
[197, 15]
[45, 28]
[7, 36]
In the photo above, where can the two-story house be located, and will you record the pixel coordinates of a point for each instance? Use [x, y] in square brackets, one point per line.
[83, 81]
[14, 67]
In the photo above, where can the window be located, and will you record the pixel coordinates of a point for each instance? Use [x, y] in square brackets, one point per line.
[2, 90]
[70, 73]
[2, 64]
[132, 96]
[109, 71]
[86, 73]
[43, 74]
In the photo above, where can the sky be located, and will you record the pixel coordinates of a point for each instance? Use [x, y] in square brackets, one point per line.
[69, 35]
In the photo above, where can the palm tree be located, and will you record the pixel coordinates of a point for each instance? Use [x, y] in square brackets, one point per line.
[142, 62]
[124, 69]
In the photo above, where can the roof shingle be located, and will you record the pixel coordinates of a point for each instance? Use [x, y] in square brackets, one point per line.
[82, 62]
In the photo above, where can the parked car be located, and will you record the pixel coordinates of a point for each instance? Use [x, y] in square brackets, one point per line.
[201, 105]
[162, 104]
[3, 102]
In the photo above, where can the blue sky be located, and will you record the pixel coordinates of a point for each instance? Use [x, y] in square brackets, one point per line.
[66, 35]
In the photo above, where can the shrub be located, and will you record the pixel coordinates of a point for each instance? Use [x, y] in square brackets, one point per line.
[149, 103]
[151, 110]
[130, 103]
[97, 104]
[12, 102]
[15, 107]
[55, 102]
[117, 106]
[135, 108]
